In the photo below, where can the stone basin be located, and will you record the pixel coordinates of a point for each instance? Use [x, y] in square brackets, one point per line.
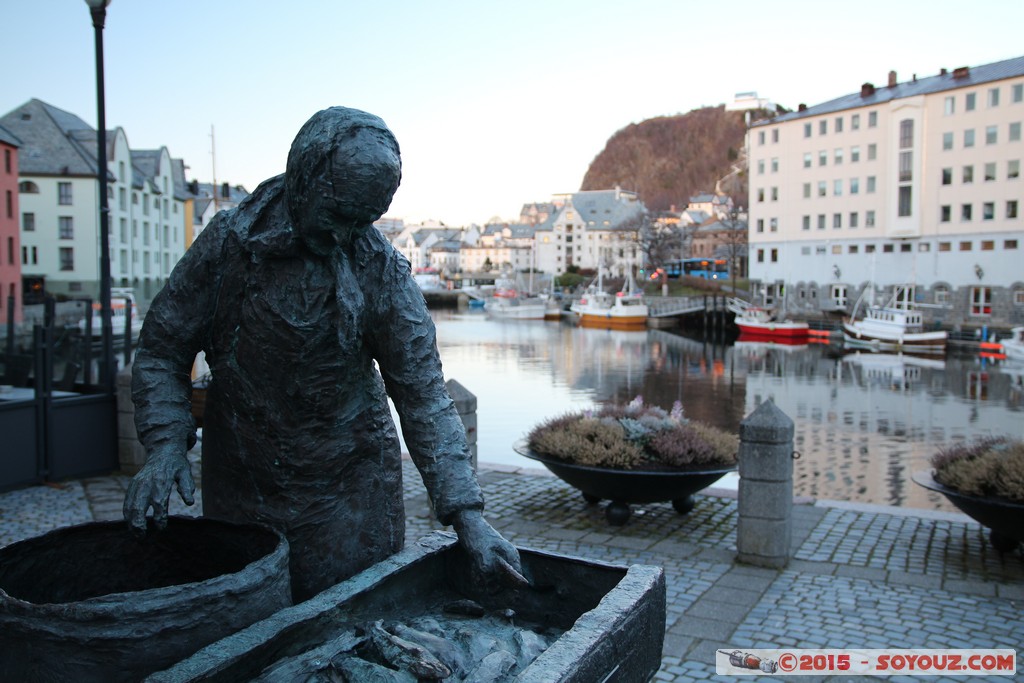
[609, 620]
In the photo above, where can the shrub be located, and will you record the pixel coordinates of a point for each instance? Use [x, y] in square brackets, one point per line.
[633, 436]
[989, 468]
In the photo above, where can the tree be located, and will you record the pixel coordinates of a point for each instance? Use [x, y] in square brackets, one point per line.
[659, 240]
[733, 243]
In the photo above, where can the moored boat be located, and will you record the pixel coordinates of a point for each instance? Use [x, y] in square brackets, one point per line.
[1013, 346]
[122, 301]
[624, 310]
[897, 326]
[755, 321]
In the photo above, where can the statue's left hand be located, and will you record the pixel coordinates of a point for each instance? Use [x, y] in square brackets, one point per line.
[165, 469]
[494, 562]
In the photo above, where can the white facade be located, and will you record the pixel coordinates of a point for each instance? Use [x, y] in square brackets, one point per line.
[586, 232]
[918, 183]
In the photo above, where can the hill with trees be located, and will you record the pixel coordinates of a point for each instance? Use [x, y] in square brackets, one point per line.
[668, 159]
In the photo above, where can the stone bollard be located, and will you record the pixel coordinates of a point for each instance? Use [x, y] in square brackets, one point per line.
[765, 506]
[130, 453]
[465, 403]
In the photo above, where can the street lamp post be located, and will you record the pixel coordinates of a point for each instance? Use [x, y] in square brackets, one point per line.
[98, 10]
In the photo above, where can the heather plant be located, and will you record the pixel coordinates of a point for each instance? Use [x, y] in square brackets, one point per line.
[990, 467]
[634, 436]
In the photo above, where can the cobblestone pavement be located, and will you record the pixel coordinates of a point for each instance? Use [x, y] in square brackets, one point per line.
[859, 577]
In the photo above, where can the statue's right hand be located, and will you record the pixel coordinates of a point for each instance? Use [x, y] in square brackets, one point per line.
[165, 469]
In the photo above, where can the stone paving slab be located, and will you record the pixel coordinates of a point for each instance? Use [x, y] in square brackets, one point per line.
[859, 576]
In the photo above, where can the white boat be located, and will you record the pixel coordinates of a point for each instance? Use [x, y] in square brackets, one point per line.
[428, 279]
[121, 302]
[1013, 346]
[513, 300]
[755, 321]
[895, 370]
[624, 310]
[897, 326]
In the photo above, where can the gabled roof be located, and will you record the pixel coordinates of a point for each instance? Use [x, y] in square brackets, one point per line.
[963, 77]
[53, 141]
[600, 206]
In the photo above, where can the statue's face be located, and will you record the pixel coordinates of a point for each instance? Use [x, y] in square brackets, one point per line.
[354, 190]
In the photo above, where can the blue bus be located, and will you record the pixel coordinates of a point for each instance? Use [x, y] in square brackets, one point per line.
[707, 268]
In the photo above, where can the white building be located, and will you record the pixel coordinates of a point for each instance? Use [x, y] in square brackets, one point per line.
[915, 183]
[591, 228]
[59, 203]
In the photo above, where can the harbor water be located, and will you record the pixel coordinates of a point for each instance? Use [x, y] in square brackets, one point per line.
[864, 422]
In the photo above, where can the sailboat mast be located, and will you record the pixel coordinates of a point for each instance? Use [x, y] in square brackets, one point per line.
[213, 163]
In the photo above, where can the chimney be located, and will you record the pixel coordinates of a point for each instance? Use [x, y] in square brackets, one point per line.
[867, 90]
[942, 71]
[892, 79]
[801, 107]
[962, 72]
[225, 191]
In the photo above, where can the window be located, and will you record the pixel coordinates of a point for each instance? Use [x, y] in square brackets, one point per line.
[988, 211]
[854, 154]
[775, 255]
[970, 101]
[990, 172]
[869, 249]
[122, 199]
[906, 133]
[854, 219]
[773, 224]
[969, 137]
[947, 141]
[822, 127]
[822, 158]
[806, 223]
[28, 187]
[924, 246]
[941, 294]
[807, 131]
[945, 246]
[887, 248]
[906, 167]
[981, 301]
[904, 248]
[1009, 244]
[1017, 93]
[839, 124]
[988, 245]
[854, 185]
[968, 175]
[965, 245]
[775, 135]
[837, 221]
[1013, 169]
[837, 249]
[807, 190]
[1011, 208]
[947, 176]
[822, 188]
[855, 122]
[760, 194]
[28, 222]
[760, 165]
[760, 225]
[838, 156]
[807, 159]
[993, 97]
[775, 194]
[64, 194]
[905, 200]
[870, 184]
[10, 204]
[965, 212]
[949, 106]
[872, 119]
[945, 213]
[1018, 297]
[775, 164]
[65, 228]
[804, 251]
[67, 258]
[991, 135]
[872, 151]
[853, 249]
[821, 221]
[1014, 132]
[760, 255]
[760, 138]
[837, 188]
[869, 219]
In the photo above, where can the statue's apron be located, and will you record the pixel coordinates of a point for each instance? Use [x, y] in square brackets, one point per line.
[309, 447]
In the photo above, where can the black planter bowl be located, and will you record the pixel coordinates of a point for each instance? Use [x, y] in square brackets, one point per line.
[1004, 519]
[623, 487]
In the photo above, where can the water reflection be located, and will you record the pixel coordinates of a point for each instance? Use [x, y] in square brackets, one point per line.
[864, 422]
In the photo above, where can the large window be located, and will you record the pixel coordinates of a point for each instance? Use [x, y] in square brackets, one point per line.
[969, 137]
[906, 167]
[968, 175]
[981, 301]
[947, 176]
[64, 194]
[67, 258]
[28, 222]
[839, 296]
[990, 172]
[906, 133]
[905, 200]
[65, 227]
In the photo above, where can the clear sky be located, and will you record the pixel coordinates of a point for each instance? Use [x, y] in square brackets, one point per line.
[494, 103]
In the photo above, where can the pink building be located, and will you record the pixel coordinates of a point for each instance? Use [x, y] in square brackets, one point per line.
[10, 249]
